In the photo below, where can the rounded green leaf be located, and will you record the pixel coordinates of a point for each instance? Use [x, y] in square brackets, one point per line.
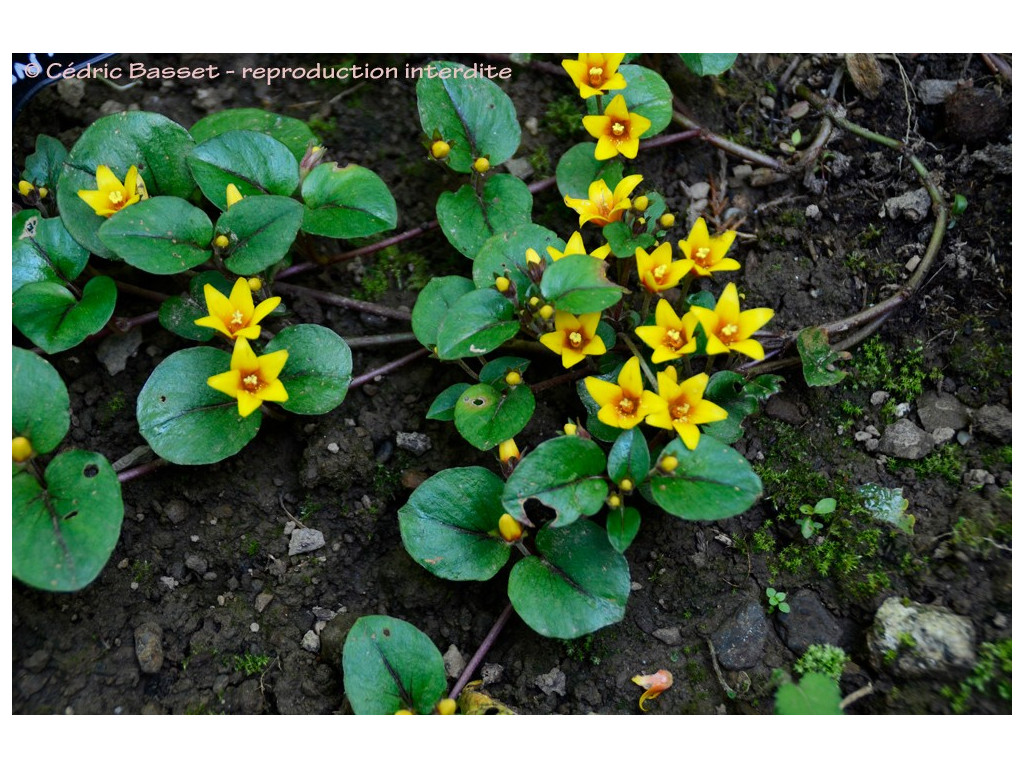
[577, 169]
[155, 145]
[162, 235]
[629, 457]
[390, 665]
[647, 94]
[433, 303]
[43, 250]
[478, 322]
[471, 113]
[449, 525]
[467, 219]
[291, 132]
[486, 417]
[63, 535]
[815, 694]
[565, 473]
[708, 63]
[261, 230]
[178, 314]
[347, 202]
[579, 284]
[504, 254]
[819, 359]
[40, 406]
[51, 317]
[711, 483]
[576, 585]
[254, 162]
[622, 524]
[185, 420]
[318, 371]
[43, 167]
[443, 407]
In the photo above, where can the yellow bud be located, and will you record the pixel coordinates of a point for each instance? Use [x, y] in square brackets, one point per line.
[534, 301]
[626, 485]
[255, 284]
[532, 257]
[21, 448]
[569, 428]
[25, 188]
[502, 284]
[405, 712]
[641, 220]
[641, 203]
[509, 528]
[481, 165]
[508, 450]
[233, 195]
[667, 220]
[513, 379]
[43, 192]
[614, 500]
[446, 707]
[439, 150]
[547, 311]
[669, 464]
[221, 241]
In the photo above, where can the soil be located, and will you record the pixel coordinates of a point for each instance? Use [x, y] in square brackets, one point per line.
[203, 565]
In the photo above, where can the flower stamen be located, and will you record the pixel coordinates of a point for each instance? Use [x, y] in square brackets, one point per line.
[252, 383]
[596, 76]
[619, 128]
[627, 406]
[575, 339]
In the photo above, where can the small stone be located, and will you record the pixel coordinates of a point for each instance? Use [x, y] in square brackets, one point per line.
[305, 540]
[906, 440]
[977, 477]
[168, 581]
[933, 92]
[323, 614]
[532, 125]
[943, 435]
[871, 445]
[767, 102]
[699, 191]
[263, 599]
[289, 527]
[862, 436]
[994, 421]
[71, 90]
[311, 642]
[491, 674]
[914, 640]
[454, 663]
[415, 442]
[254, 627]
[519, 167]
[941, 410]
[879, 398]
[912, 263]
[669, 635]
[812, 212]
[333, 447]
[176, 511]
[149, 648]
[196, 564]
[115, 350]
[901, 410]
[963, 437]
[635, 586]
[808, 623]
[913, 205]
[742, 171]
[739, 640]
[551, 682]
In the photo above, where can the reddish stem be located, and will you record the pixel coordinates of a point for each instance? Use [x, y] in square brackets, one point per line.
[139, 471]
[342, 301]
[358, 381]
[485, 646]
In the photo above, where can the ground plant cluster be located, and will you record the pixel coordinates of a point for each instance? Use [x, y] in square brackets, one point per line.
[514, 384]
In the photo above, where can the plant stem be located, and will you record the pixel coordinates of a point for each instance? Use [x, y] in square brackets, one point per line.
[139, 471]
[556, 380]
[358, 381]
[125, 324]
[380, 340]
[643, 363]
[144, 293]
[722, 143]
[485, 646]
[343, 301]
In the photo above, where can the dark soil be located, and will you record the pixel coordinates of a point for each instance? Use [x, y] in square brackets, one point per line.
[203, 553]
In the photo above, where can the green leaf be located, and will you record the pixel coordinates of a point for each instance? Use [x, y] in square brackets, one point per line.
[318, 371]
[818, 358]
[178, 314]
[185, 420]
[711, 483]
[443, 407]
[579, 284]
[433, 303]
[449, 525]
[505, 254]
[478, 322]
[577, 584]
[577, 169]
[887, 505]
[622, 240]
[254, 162]
[291, 132]
[629, 457]
[155, 145]
[486, 417]
[40, 406]
[43, 167]
[390, 665]
[622, 524]
[565, 474]
[64, 534]
[44, 251]
[54, 321]
[472, 114]
[495, 371]
[347, 202]
[646, 93]
[815, 694]
[740, 398]
[468, 220]
[162, 235]
[261, 230]
[708, 63]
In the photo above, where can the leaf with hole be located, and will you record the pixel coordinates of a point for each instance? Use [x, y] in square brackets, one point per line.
[485, 417]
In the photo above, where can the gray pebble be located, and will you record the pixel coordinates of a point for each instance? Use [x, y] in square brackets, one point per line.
[305, 540]
[149, 648]
[311, 642]
[415, 442]
[551, 682]
[669, 635]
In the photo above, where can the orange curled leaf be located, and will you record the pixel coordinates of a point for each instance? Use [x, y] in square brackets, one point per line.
[653, 685]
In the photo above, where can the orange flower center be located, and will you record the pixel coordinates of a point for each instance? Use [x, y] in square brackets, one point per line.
[619, 128]
[679, 412]
[701, 257]
[252, 384]
[673, 338]
[237, 320]
[627, 405]
[728, 333]
[659, 272]
[596, 75]
[575, 339]
[116, 199]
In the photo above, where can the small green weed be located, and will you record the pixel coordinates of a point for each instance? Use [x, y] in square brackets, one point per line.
[826, 659]
[992, 675]
[250, 663]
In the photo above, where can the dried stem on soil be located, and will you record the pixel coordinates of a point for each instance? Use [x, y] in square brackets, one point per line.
[485, 646]
[343, 301]
[394, 365]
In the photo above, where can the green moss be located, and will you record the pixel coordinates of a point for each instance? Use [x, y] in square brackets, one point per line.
[250, 663]
[392, 268]
[825, 659]
[991, 676]
[947, 463]
[540, 162]
[563, 117]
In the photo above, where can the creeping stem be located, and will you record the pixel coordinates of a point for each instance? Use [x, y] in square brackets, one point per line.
[485, 646]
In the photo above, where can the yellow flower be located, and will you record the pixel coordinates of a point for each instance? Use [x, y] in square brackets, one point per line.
[111, 195]
[21, 448]
[654, 685]
[657, 271]
[252, 380]
[728, 329]
[707, 254]
[232, 195]
[617, 131]
[686, 406]
[627, 403]
[234, 315]
[672, 337]
[574, 337]
[574, 246]
[595, 73]
[603, 206]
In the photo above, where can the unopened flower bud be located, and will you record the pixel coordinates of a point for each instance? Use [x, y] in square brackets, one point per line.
[25, 188]
[43, 192]
[255, 284]
[508, 450]
[614, 500]
[313, 157]
[532, 257]
[640, 203]
[547, 311]
[21, 448]
[446, 707]
[509, 528]
[667, 220]
[669, 464]
[232, 195]
[641, 220]
[502, 283]
[481, 165]
[405, 712]
[569, 428]
[513, 379]
[439, 150]
[626, 485]
[534, 301]
[221, 241]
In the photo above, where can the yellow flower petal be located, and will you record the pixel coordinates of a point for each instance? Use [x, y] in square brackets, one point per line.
[654, 685]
